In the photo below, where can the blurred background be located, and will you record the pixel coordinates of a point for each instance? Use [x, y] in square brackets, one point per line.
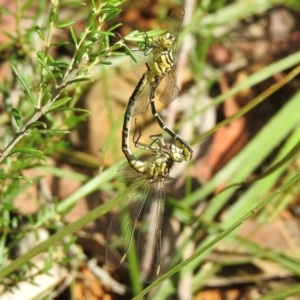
[229, 53]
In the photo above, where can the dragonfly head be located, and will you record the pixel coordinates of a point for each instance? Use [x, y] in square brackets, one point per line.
[184, 149]
[167, 40]
[176, 154]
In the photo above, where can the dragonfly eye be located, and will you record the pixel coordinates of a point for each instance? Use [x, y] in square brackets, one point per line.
[176, 154]
[177, 157]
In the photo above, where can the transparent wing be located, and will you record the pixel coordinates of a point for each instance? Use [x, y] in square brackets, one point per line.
[122, 225]
[139, 68]
[141, 101]
[149, 238]
[173, 24]
[127, 174]
[171, 90]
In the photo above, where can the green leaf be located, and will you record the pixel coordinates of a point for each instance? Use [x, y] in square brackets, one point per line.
[116, 46]
[53, 16]
[17, 117]
[58, 64]
[115, 26]
[59, 44]
[65, 24]
[50, 131]
[4, 10]
[5, 176]
[26, 5]
[82, 51]
[40, 33]
[10, 35]
[130, 53]
[105, 62]
[46, 98]
[40, 59]
[73, 35]
[58, 74]
[71, 109]
[91, 18]
[100, 32]
[116, 53]
[50, 58]
[37, 124]
[112, 14]
[73, 3]
[24, 83]
[59, 102]
[24, 150]
[82, 79]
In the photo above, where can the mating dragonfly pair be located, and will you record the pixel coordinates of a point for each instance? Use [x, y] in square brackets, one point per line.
[147, 179]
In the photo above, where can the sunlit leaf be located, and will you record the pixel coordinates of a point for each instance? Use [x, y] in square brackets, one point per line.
[40, 32]
[59, 102]
[24, 83]
[5, 176]
[59, 44]
[53, 16]
[72, 3]
[59, 64]
[40, 59]
[51, 131]
[17, 117]
[24, 150]
[71, 109]
[65, 24]
[46, 98]
[73, 35]
[37, 124]
[115, 26]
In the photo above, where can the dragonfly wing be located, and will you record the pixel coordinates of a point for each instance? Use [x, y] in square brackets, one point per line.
[174, 21]
[142, 100]
[127, 174]
[122, 225]
[171, 90]
[173, 24]
[149, 238]
[139, 67]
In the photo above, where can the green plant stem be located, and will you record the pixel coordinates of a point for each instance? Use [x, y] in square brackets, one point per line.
[219, 237]
[24, 130]
[92, 215]
[47, 44]
[257, 100]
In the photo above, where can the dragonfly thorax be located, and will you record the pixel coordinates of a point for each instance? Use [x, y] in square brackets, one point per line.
[163, 62]
[160, 166]
[166, 41]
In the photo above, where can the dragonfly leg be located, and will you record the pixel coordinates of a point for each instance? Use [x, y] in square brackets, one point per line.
[157, 139]
[180, 142]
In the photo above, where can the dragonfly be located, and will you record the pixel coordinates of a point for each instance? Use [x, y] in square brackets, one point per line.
[147, 190]
[177, 152]
[155, 62]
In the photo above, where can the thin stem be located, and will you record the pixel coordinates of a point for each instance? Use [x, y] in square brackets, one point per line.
[47, 44]
[24, 130]
[260, 98]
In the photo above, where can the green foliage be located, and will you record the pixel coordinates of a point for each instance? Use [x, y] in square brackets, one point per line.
[40, 109]
[44, 110]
